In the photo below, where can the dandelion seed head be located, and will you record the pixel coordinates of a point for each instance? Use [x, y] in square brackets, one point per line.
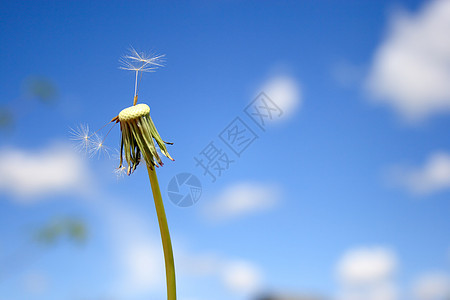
[140, 137]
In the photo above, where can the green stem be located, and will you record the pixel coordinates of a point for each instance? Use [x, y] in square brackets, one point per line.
[165, 236]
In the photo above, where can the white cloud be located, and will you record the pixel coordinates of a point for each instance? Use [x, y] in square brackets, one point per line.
[137, 250]
[367, 274]
[205, 264]
[238, 276]
[411, 68]
[378, 291]
[366, 265]
[285, 91]
[433, 176]
[243, 199]
[242, 277]
[143, 264]
[28, 175]
[432, 286]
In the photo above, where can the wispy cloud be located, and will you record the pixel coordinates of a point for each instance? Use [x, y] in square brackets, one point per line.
[367, 273]
[431, 286]
[285, 91]
[239, 276]
[28, 174]
[136, 247]
[366, 264]
[243, 199]
[433, 176]
[242, 277]
[411, 68]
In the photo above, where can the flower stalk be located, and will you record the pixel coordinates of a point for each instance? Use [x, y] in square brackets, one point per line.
[165, 235]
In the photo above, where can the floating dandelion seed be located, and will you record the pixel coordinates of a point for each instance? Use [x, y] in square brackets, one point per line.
[91, 144]
[98, 147]
[140, 62]
[82, 138]
[120, 172]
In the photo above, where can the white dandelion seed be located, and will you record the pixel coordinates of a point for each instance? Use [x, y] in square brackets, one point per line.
[140, 62]
[81, 136]
[97, 147]
[115, 155]
[120, 172]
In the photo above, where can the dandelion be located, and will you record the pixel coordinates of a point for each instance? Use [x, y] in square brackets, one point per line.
[138, 139]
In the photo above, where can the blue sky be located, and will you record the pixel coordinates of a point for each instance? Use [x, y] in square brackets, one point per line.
[348, 188]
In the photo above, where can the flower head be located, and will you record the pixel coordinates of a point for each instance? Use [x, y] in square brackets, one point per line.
[138, 136]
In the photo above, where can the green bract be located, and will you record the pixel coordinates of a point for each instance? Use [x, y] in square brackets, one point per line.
[138, 133]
